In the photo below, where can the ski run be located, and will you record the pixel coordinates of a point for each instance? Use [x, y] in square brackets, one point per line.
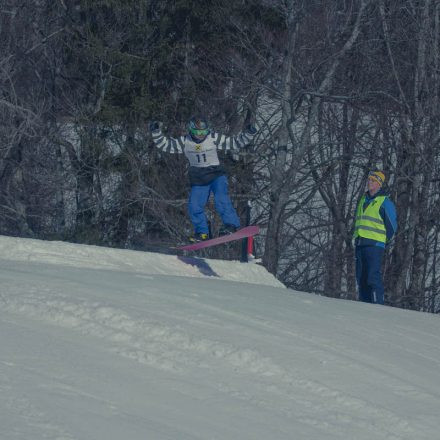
[107, 344]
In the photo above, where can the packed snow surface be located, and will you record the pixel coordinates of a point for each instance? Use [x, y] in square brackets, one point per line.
[110, 344]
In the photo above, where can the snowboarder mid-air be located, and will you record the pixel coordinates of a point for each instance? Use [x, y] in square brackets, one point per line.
[200, 146]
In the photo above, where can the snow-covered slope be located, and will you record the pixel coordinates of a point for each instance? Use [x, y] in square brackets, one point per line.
[107, 344]
[94, 257]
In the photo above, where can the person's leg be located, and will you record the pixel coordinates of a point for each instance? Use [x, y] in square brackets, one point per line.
[196, 207]
[223, 203]
[361, 275]
[374, 255]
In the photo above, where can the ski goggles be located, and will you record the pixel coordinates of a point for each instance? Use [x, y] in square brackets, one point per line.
[199, 132]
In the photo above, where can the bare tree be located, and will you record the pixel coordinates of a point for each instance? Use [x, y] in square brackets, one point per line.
[418, 118]
[299, 113]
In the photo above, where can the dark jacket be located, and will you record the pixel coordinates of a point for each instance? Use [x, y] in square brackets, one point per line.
[204, 176]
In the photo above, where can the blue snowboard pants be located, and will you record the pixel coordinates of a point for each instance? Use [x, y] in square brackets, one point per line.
[198, 199]
[369, 273]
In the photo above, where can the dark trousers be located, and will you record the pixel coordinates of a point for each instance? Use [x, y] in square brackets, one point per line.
[369, 274]
[199, 197]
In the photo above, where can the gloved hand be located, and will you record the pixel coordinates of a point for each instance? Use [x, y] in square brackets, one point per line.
[251, 129]
[154, 125]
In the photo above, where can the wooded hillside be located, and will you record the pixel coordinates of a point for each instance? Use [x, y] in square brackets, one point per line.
[335, 89]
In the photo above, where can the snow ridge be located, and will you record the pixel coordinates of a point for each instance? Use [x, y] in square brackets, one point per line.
[95, 257]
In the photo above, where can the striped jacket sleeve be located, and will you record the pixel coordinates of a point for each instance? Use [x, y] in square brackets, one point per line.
[168, 144]
[232, 142]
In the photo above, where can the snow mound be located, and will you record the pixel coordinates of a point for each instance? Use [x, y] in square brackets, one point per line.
[148, 263]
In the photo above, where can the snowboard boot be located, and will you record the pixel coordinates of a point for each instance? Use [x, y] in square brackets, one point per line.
[198, 236]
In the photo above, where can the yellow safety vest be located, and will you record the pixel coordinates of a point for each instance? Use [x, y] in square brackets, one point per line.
[369, 224]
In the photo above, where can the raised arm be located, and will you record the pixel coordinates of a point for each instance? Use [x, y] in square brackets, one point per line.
[164, 143]
[235, 142]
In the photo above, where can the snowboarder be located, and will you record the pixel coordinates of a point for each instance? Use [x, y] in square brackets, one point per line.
[206, 175]
[375, 225]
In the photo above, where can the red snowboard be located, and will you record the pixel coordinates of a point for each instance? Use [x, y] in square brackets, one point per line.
[248, 231]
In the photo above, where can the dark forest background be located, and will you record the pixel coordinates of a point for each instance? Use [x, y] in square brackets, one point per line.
[335, 88]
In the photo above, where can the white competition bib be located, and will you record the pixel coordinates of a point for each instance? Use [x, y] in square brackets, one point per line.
[201, 154]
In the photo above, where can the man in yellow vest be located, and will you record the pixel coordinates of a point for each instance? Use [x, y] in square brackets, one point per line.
[375, 225]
